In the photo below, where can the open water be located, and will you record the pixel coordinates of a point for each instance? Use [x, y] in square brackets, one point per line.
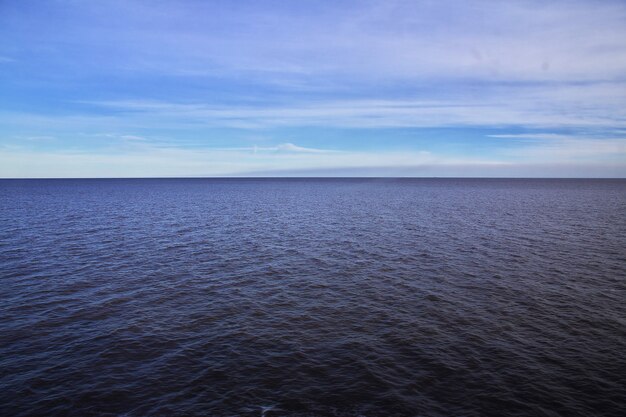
[313, 297]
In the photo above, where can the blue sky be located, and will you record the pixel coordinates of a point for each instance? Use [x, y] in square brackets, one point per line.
[358, 88]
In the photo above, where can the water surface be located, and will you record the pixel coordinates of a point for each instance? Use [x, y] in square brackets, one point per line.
[312, 297]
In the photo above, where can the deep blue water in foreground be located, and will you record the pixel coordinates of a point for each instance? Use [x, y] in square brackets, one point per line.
[313, 297]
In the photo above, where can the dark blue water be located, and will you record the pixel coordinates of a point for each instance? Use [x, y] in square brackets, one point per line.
[313, 297]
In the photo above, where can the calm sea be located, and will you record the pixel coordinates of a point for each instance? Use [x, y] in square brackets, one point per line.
[313, 297]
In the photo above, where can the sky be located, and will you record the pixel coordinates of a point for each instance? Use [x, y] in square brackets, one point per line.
[312, 88]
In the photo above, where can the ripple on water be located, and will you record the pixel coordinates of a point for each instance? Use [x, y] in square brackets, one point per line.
[312, 297]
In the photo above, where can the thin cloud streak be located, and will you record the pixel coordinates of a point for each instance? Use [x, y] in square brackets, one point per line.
[560, 147]
[283, 147]
[176, 163]
[578, 106]
[144, 160]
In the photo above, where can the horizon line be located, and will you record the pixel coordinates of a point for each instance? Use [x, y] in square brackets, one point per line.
[305, 177]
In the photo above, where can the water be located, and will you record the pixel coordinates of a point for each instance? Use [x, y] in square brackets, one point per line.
[313, 297]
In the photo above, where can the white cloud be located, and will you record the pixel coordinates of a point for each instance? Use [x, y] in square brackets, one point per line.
[558, 148]
[284, 147]
[594, 105]
[290, 147]
[133, 138]
[148, 161]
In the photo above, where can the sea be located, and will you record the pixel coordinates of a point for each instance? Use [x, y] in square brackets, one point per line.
[313, 297]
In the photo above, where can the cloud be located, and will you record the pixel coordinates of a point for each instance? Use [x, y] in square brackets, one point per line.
[405, 39]
[547, 136]
[283, 148]
[290, 147]
[594, 105]
[566, 148]
[133, 138]
[147, 161]
[455, 170]
[395, 39]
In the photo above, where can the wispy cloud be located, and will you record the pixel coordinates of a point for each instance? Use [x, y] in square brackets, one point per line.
[510, 40]
[283, 147]
[567, 148]
[146, 161]
[133, 138]
[602, 104]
